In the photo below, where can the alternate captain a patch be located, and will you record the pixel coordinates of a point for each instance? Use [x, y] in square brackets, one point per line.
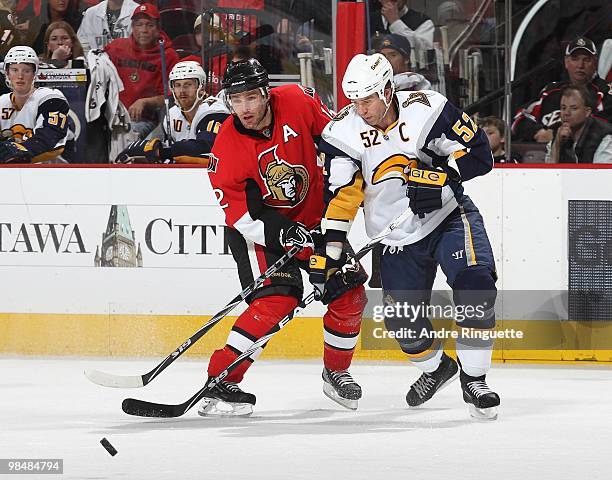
[287, 184]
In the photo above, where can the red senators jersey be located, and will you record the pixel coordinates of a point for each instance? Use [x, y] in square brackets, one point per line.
[267, 180]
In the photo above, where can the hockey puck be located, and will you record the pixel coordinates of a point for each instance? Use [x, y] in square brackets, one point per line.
[109, 448]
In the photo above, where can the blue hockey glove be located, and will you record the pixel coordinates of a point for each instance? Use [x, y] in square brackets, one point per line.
[141, 151]
[331, 278]
[424, 189]
[12, 152]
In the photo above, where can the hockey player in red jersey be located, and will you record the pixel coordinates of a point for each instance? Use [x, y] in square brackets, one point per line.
[269, 183]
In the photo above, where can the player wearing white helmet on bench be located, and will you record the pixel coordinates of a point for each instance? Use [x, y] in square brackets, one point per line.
[193, 121]
[34, 121]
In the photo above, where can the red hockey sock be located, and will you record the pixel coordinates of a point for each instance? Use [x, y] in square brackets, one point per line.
[341, 328]
[261, 315]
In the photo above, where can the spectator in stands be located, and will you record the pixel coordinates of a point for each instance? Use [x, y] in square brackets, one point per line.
[25, 18]
[580, 138]
[394, 16]
[396, 49]
[138, 62]
[66, 10]
[604, 68]
[537, 121]
[6, 26]
[495, 128]
[196, 55]
[452, 16]
[61, 45]
[215, 49]
[105, 22]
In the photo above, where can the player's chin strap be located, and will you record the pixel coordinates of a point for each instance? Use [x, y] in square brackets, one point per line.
[387, 104]
[201, 95]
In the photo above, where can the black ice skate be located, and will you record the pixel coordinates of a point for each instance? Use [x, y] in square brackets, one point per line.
[341, 388]
[429, 383]
[226, 399]
[482, 401]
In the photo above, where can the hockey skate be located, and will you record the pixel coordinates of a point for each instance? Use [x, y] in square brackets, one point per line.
[341, 388]
[481, 400]
[429, 383]
[226, 399]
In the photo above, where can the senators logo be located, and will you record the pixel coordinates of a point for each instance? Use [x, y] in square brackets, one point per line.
[287, 184]
[395, 166]
[17, 133]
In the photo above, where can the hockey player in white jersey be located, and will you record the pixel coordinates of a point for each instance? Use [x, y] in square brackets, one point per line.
[34, 121]
[192, 124]
[412, 150]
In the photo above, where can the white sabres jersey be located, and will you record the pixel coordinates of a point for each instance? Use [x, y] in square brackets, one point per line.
[182, 129]
[20, 125]
[383, 160]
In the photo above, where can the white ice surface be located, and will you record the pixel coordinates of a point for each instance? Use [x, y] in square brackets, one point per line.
[555, 423]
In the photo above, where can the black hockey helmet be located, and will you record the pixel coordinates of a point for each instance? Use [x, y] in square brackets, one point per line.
[243, 76]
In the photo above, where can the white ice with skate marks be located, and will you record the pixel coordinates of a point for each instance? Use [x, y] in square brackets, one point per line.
[554, 423]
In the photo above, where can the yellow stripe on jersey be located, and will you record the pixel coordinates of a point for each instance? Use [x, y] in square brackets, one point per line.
[347, 200]
[192, 160]
[43, 157]
[458, 154]
[470, 254]
[213, 126]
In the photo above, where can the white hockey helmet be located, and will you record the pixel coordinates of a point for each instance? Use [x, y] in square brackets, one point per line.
[188, 70]
[21, 54]
[367, 74]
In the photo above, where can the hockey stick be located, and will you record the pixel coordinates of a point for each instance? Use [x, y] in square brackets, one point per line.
[137, 381]
[142, 408]
[162, 52]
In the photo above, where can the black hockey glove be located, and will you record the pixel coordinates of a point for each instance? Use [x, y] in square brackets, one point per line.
[12, 152]
[141, 151]
[331, 278]
[297, 235]
[424, 189]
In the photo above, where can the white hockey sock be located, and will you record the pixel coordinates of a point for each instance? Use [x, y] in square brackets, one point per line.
[474, 361]
[431, 362]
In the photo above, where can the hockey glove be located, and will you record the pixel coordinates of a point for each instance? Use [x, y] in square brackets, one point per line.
[141, 151]
[424, 189]
[331, 278]
[12, 152]
[297, 235]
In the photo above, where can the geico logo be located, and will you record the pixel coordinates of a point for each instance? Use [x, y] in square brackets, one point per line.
[427, 176]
